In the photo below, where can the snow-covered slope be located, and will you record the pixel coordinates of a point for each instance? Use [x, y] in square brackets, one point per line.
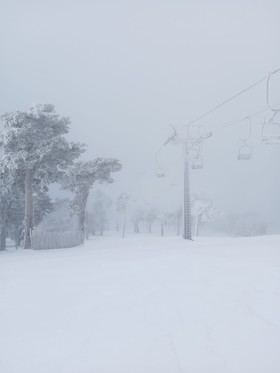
[142, 305]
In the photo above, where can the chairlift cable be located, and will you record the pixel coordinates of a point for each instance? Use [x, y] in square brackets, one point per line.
[232, 123]
[228, 100]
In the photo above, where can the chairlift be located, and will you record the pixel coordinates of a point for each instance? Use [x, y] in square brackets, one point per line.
[205, 135]
[193, 132]
[268, 92]
[197, 160]
[271, 131]
[160, 174]
[197, 163]
[244, 153]
[197, 133]
[173, 138]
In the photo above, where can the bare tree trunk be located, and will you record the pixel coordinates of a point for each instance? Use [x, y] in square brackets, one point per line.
[86, 226]
[162, 229]
[81, 223]
[3, 234]
[136, 227]
[123, 229]
[102, 228]
[28, 214]
[18, 237]
[82, 215]
[124, 224]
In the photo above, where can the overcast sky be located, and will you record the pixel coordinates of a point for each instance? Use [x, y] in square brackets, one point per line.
[124, 70]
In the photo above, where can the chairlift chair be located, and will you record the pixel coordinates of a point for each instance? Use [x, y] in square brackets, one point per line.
[271, 127]
[244, 153]
[269, 102]
[271, 132]
[160, 174]
[206, 134]
[197, 159]
[197, 163]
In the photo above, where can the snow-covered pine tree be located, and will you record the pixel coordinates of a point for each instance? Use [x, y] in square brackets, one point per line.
[80, 178]
[12, 205]
[97, 214]
[42, 205]
[7, 197]
[34, 142]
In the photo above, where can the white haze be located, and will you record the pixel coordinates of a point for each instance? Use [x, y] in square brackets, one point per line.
[124, 70]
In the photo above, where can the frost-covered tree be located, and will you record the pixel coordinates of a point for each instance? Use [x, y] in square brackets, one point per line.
[163, 220]
[34, 142]
[7, 198]
[121, 209]
[202, 212]
[12, 205]
[137, 217]
[60, 218]
[80, 179]
[41, 207]
[150, 217]
[97, 215]
[171, 219]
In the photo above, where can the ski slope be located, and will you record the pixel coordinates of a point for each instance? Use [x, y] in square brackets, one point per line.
[142, 305]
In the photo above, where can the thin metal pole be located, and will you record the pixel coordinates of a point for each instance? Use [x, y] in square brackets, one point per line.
[124, 223]
[187, 199]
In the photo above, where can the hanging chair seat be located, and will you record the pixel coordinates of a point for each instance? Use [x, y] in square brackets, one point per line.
[197, 164]
[245, 153]
[271, 133]
[160, 174]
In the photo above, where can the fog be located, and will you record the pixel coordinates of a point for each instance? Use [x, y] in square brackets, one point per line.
[124, 71]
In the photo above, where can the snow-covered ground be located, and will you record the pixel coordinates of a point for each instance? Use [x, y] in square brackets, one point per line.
[142, 305]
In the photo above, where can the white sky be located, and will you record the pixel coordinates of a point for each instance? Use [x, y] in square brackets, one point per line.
[124, 70]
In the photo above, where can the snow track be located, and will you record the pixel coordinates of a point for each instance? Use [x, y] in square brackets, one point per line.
[142, 305]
